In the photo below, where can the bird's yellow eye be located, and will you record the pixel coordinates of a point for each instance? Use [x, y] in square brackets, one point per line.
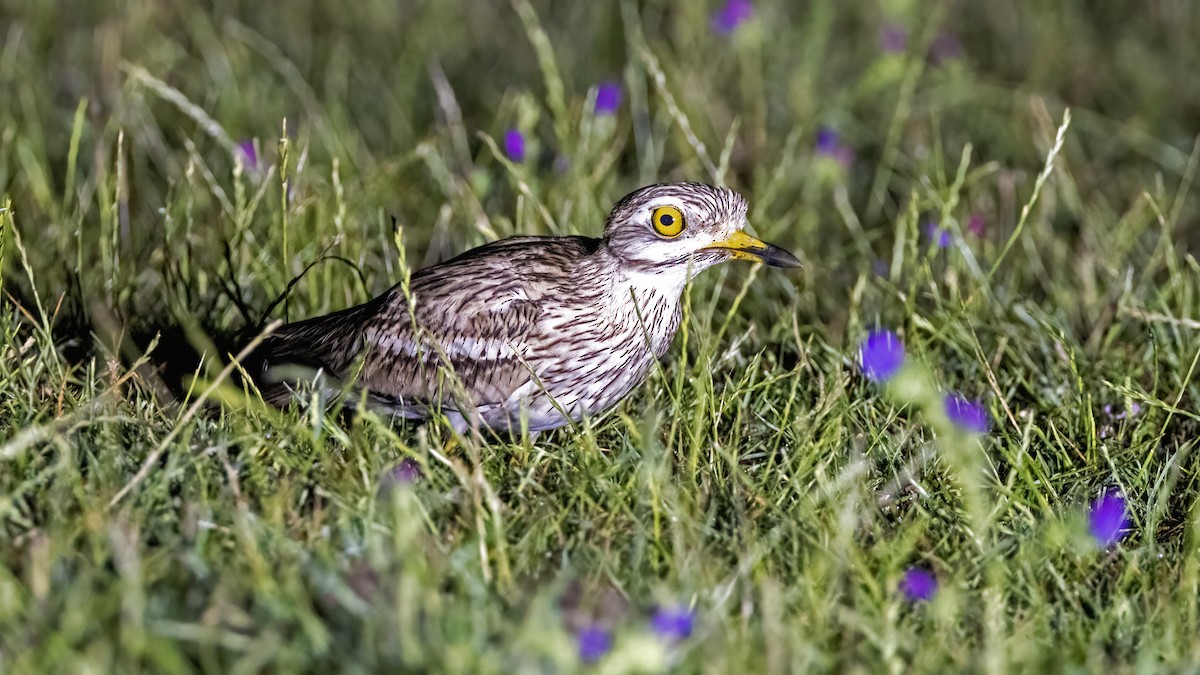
[668, 221]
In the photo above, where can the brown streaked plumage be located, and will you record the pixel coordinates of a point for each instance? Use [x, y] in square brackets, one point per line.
[541, 328]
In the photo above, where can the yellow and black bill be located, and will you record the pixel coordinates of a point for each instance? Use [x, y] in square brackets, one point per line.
[744, 247]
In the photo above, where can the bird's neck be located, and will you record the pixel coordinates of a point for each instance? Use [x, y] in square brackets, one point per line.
[660, 280]
[665, 286]
[644, 299]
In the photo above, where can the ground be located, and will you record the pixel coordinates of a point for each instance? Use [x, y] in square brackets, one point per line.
[1005, 189]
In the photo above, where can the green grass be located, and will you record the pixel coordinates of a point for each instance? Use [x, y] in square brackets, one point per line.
[757, 477]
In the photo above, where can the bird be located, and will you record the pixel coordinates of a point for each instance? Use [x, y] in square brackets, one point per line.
[525, 333]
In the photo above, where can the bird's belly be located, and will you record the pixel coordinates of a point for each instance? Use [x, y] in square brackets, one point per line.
[587, 369]
[591, 385]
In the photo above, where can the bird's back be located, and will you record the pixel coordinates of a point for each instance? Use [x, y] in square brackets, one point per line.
[463, 331]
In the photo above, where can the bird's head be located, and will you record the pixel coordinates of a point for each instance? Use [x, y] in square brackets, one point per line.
[675, 228]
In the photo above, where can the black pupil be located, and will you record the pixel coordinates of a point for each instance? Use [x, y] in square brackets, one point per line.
[666, 220]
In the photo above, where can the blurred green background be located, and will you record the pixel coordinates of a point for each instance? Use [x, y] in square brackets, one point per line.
[360, 85]
[758, 481]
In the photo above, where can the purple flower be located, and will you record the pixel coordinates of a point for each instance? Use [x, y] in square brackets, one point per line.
[608, 97]
[594, 642]
[827, 142]
[404, 475]
[830, 145]
[408, 471]
[893, 38]
[248, 154]
[514, 145]
[672, 624]
[918, 585]
[731, 15]
[881, 355]
[939, 235]
[1107, 519]
[967, 415]
[945, 47]
[1134, 409]
[976, 224]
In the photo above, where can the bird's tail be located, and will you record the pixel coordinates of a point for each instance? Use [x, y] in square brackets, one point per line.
[321, 349]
